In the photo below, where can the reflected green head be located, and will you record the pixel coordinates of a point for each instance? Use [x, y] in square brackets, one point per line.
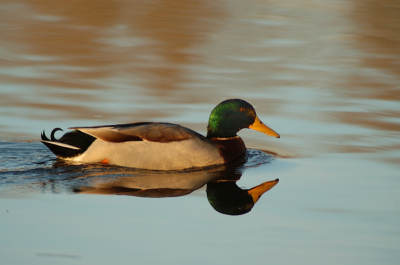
[229, 117]
[227, 198]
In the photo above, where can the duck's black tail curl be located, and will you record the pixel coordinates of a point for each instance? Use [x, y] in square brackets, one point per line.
[69, 145]
[44, 137]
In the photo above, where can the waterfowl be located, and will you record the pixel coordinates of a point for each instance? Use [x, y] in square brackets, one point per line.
[162, 146]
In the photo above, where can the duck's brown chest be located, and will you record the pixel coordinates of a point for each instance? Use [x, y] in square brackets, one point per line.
[230, 149]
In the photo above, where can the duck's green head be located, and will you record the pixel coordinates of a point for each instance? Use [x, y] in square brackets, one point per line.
[232, 115]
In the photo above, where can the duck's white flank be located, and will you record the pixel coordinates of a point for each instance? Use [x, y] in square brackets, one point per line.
[153, 155]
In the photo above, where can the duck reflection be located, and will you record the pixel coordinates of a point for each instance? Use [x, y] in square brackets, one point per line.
[154, 185]
[222, 191]
[227, 198]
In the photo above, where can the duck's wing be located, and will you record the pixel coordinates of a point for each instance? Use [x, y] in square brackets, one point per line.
[143, 131]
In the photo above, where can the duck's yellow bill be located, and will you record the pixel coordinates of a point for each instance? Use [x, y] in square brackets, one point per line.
[259, 190]
[261, 127]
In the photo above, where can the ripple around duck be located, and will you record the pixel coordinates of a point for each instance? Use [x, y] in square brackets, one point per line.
[257, 157]
[30, 166]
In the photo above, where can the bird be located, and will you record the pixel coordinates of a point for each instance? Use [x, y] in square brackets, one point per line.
[160, 145]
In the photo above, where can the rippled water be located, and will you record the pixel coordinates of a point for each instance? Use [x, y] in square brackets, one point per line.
[323, 74]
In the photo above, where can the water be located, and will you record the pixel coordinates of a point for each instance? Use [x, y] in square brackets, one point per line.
[325, 75]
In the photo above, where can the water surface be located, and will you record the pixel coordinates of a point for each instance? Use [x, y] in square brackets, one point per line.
[325, 75]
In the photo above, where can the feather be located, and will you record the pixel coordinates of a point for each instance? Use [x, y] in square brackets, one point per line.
[69, 145]
[61, 144]
[143, 131]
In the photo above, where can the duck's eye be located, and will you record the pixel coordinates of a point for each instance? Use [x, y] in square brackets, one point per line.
[242, 109]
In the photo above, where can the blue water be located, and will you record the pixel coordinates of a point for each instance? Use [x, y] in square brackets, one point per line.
[324, 75]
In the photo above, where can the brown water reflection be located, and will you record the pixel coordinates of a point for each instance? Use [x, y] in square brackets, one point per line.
[322, 74]
[113, 39]
[378, 29]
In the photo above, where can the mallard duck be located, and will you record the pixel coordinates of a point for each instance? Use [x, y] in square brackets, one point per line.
[162, 146]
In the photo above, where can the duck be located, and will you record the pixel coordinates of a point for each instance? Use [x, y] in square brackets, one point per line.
[160, 145]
